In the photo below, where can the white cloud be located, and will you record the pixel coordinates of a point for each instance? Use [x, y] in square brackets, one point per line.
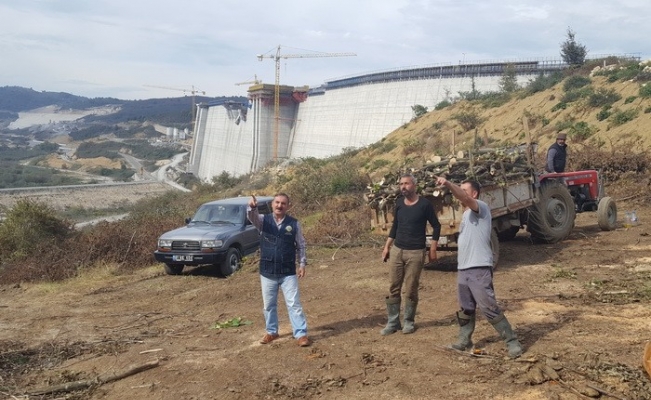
[113, 48]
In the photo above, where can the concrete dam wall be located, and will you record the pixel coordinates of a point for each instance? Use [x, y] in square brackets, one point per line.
[320, 122]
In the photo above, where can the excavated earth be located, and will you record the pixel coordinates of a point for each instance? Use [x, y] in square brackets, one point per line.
[582, 309]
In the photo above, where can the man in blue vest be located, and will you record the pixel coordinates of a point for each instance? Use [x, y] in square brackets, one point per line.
[557, 155]
[281, 240]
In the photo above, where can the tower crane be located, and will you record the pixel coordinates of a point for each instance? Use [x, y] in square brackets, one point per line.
[255, 81]
[193, 91]
[277, 57]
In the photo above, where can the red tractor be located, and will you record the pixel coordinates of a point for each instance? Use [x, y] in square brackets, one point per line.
[587, 191]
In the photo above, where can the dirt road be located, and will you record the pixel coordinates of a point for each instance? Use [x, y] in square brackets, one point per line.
[582, 309]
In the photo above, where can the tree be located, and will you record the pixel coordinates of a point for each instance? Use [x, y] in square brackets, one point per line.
[418, 110]
[509, 81]
[572, 52]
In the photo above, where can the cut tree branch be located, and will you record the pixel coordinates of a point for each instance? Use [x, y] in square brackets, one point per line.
[78, 385]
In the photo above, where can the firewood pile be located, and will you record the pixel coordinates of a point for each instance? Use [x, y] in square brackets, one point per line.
[487, 166]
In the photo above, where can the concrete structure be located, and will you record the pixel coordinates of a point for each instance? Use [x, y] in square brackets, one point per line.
[348, 112]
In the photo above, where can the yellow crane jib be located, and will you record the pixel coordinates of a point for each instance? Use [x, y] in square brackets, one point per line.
[277, 57]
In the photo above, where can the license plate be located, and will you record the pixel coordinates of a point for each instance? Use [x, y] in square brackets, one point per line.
[181, 258]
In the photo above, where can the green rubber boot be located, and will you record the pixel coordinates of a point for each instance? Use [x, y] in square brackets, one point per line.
[393, 309]
[410, 315]
[502, 326]
[466, 329]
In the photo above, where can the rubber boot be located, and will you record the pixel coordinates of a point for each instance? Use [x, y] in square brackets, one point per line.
[410, 315]
[502, 326]
[393, 309]
[466, 329]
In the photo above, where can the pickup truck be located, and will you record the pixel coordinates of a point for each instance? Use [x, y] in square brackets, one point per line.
[218, 234]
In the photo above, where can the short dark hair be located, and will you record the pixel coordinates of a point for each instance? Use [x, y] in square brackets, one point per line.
[410, 176]
[474, 185]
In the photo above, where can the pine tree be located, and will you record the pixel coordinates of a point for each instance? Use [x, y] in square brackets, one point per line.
[573, 53]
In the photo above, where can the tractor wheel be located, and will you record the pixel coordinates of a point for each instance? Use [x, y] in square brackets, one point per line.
[173, 269]
[607, 214]
[495, 246]
[232, 262]
[552, 218]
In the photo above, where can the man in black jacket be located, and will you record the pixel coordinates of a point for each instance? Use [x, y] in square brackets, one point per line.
[557, 155]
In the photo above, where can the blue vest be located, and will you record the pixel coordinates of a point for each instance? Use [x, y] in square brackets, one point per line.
[278, 246]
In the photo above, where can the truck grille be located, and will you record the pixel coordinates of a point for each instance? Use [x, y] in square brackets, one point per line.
[187, 245]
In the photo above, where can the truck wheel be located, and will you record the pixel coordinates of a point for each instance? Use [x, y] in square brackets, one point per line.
[508, 234]
[232, 262]
[173, 269]
[552, 218]
[495, 246]
[607, 214]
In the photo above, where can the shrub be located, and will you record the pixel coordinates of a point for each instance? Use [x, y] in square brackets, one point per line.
[621, 117]
[494, 99]
[630, 99]
[576, 82]
[543, 82]
[563, 125]
[645, 91]
[580, 131]
[442, 104]
[28, 226]
[604, 113]
[468, 119]
[576, 94]
[603, 97]
[647, 110]
[418, 110]
[559, 106]
[320, 180]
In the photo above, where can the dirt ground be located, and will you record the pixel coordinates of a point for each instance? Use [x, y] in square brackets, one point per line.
[582, 309]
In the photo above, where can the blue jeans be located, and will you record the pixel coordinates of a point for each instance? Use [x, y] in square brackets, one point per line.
[289, 286]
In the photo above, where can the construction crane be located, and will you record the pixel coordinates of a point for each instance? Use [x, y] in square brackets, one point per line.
[277, 57]
[255, 81]
[194, 91]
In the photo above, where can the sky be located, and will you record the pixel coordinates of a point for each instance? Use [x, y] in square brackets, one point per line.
[142, 49]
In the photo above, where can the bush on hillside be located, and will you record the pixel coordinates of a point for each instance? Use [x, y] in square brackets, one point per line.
[27, 227]
[614, 163]
[312, 181]
[127, 243]
[620, 117]
[576, 82]
[603, 97]
[645, 91]
[442, 104]
[468, 119]
[543, 82]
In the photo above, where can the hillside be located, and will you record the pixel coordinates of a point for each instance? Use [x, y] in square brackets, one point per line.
[536, 117]
[172, 111]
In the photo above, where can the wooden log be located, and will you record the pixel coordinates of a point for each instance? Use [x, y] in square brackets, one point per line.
[78, 385]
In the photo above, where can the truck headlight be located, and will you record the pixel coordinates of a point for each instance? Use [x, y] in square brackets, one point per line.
[164, 243]
[211, 244]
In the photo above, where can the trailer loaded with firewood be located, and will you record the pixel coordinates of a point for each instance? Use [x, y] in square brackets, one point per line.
[511, 187]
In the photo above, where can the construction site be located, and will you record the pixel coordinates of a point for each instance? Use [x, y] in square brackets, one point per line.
[285, 122]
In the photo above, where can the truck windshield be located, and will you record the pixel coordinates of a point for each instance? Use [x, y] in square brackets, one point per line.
[219, 213]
